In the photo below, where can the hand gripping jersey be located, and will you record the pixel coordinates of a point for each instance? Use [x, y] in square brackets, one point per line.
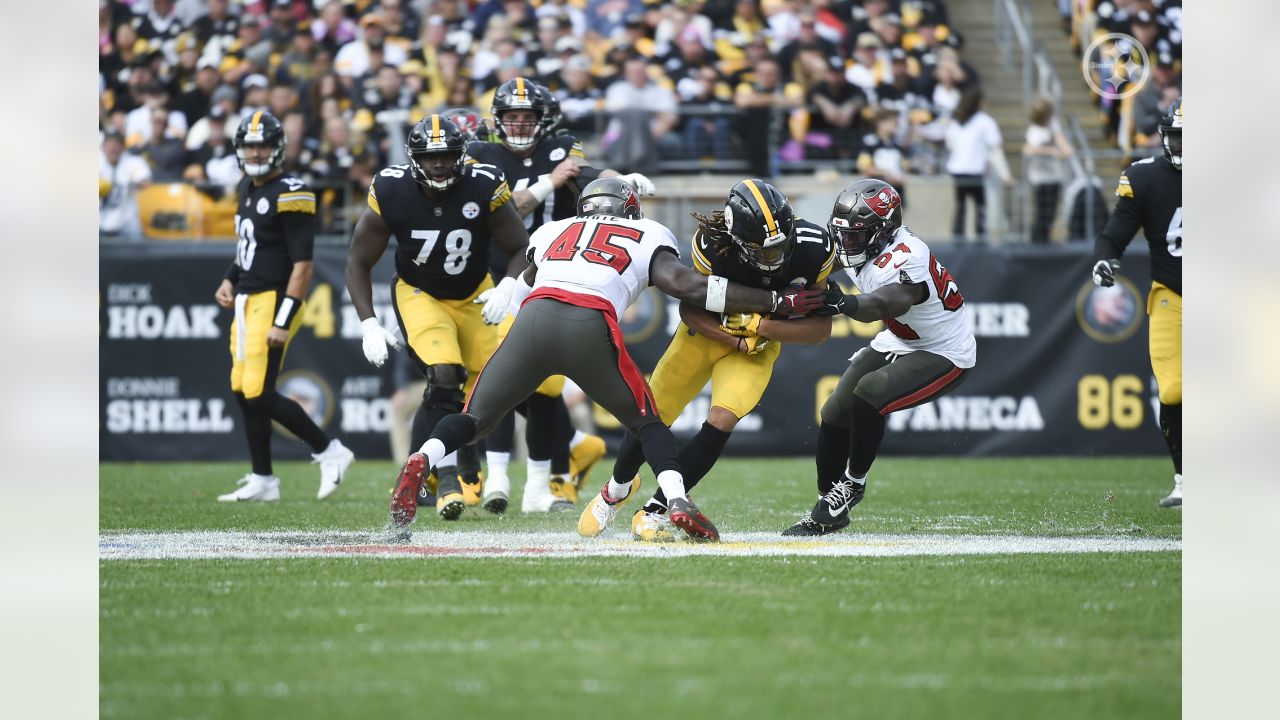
[442, 245]
[275, 228]
[523, 172]
[607, 257]
[812, 260]
[938, 323]
[1149, 196]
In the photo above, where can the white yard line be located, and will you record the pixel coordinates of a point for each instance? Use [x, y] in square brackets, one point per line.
[432, 544]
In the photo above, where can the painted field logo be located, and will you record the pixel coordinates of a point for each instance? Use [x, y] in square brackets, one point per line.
[1115, 66]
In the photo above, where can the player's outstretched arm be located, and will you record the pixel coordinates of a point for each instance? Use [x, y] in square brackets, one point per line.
[509, 232]
[706, 324]
[368, 241]
[811, 330]
[717, 294]
[889, 301]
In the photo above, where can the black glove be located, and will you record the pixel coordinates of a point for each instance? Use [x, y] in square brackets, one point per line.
[836, 302]
[1104, 272]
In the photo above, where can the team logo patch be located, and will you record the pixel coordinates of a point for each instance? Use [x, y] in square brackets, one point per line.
[470, 211]
[263, 206]
[883, 202]
[557, 154]
[839, 222]
[728, 218]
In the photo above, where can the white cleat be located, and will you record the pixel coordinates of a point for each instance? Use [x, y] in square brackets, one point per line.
[1175, 498]
[334, 461]
[254, 488]
[543, 502]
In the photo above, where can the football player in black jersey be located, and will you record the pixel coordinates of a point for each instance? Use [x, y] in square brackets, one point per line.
[266, 284]
[1149, 196]
[758, 242]
[545, 171]
[443, 214]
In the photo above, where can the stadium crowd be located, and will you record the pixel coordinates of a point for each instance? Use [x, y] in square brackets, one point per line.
[870, 84]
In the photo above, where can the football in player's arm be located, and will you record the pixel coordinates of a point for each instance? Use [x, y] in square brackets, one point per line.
[1149, 197]
[266, 284]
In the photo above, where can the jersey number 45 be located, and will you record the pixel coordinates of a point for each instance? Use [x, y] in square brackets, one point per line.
[600, 248]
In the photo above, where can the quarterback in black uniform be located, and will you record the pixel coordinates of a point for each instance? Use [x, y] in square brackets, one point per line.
[266, 284]
[443, 214]
[1149, 197]
[758, 242]
[544, 170]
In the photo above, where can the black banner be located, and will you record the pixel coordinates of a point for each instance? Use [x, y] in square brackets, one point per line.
[1062, 365]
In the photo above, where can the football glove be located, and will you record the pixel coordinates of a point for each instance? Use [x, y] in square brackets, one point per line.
[1104, 272]
[376, 340]
[836, 302]
[741, 324]
[798, 300]
[642, 184]
[753, 345]
[496, 301]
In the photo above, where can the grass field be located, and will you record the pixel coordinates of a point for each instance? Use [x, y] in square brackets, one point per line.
[1031, 634]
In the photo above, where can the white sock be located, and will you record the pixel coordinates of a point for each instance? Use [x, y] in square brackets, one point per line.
[264, 478]
[578, 437]
[435, 452]
[672, 484]
[617, 491]
[538, 478]
[856, 480]
[498, 463]
[450, 460]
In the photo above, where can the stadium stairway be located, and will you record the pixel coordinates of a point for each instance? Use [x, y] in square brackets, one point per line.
[975, 19]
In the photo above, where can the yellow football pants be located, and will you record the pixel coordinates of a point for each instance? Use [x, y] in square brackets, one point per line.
[1164, 307]
[254, 366]
[737, 380]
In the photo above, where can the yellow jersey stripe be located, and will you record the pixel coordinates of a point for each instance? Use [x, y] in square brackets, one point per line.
[373, 201]
[577, 151]
[501, 196]
[298, 195]
[827, 266]
[700, 262]
[307, 207]
[1124, 188]
[769, 223]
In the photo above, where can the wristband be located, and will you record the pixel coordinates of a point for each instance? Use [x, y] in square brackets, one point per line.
[519, 293]
[717, 289]
[777, 300]
[541, 189]
[289, 307]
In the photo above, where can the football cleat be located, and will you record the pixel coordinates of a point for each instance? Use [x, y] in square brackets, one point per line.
[495, 502]
[651, 527]
[582, 458]
[686, 516]
[833, 508]
[600, 513]
[404, 498]
[334, 461]
[1174, 498]
[254, 488]
[450, 501]
[543, 503]
[427, 491]
[808, 527]
[564, 489]
[472, 487]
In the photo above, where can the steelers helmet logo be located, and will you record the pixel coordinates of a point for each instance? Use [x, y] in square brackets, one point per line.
[728, 217]
[470, 211]
[1111, 314]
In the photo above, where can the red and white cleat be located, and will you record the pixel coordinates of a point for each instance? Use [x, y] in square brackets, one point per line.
[686, 516]
[404, 499]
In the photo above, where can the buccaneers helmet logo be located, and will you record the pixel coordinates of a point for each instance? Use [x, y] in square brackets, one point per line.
[883, 202]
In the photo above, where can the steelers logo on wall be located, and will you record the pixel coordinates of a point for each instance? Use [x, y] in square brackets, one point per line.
[310, 391]
[1109, 314]
[645, 316]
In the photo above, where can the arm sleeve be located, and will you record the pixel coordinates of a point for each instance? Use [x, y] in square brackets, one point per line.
[299, 235]
[1122, 225]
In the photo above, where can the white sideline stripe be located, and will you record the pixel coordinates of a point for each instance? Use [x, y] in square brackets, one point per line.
[430, 544]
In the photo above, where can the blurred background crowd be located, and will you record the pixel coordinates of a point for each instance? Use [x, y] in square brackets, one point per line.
[751, 87]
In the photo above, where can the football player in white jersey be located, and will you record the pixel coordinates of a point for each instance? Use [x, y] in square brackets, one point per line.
[583, 273]
[924, 352]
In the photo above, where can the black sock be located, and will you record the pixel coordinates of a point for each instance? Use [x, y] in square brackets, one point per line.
[539, 426]
[502, 439]
[697, 456]
[1171, 428]
[257, 431]
[290, 414]
[561, 436]
[659, 446]
[865, 438]
[468, 461]
[455, 431]
[630, 458]
[424, 422]
[834, 443]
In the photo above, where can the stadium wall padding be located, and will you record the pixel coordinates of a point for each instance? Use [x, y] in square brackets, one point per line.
[1062, 366]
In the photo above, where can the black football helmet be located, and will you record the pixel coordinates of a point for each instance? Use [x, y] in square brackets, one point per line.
[553, 118]
[434, 135]
[1171, 134]
[866, 215]
[761, 223]
[609, 196]
[260, 128]
[519, 94]
[467, 119]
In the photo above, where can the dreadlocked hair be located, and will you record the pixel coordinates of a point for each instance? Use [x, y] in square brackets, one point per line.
[715, 231]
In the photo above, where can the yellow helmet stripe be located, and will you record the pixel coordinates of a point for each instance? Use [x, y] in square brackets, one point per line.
[520, 86]
[435, 126]
[255, 124]
[764, 206]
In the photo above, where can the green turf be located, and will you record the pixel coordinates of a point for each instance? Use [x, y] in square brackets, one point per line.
[1043, 636]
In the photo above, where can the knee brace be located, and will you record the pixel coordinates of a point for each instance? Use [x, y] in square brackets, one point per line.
[444, 387]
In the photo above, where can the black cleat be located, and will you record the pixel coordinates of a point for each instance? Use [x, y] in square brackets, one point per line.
[426, 498]
[807, 527]
[686, 516]
[837, 503]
